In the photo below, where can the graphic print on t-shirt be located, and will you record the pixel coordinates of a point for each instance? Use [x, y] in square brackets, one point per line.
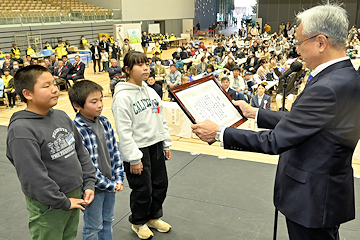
[63, 145]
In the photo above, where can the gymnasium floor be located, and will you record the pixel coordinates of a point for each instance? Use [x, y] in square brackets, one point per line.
[213, 193]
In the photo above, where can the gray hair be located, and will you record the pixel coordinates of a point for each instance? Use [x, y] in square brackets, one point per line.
[329, 19]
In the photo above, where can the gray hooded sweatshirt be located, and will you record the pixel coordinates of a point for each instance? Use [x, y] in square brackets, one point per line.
[49, 157]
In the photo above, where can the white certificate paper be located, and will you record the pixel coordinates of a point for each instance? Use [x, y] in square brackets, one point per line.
[207, 101]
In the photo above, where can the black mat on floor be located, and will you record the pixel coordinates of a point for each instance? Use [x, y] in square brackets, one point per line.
[208, 198]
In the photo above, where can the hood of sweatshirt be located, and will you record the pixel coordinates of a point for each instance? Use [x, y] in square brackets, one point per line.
[129, 87]
[28, 115]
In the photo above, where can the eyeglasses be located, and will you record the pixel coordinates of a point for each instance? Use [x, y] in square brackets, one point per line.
[298, 43]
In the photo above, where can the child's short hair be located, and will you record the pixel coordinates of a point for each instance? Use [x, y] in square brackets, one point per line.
[81, 90]
[210, 66]
[132, 58]
[224, 79]
[26, 77]
[177, 57]
[172, 65]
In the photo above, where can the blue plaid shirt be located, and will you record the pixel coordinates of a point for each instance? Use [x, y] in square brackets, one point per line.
[89, 141]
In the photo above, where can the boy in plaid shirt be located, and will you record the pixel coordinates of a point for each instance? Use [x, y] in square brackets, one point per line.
[98, 138]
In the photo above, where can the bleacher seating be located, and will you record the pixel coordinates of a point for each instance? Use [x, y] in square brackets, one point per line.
[50, 11]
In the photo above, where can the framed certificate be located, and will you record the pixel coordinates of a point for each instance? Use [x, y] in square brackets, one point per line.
[206, 99]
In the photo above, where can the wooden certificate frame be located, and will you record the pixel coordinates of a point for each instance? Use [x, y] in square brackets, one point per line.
[206, 99]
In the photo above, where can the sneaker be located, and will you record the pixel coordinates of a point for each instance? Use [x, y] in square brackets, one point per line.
[159, 225]
[142, 231]
[14, 106]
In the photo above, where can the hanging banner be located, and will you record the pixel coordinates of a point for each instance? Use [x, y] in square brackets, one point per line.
[134, 36]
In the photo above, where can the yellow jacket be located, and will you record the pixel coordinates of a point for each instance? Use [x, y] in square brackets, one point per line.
[7, 80]
[84, 41]
[2, 55]
[30, 51]
[111, 40]
[172, 37]
[60, 51]
[156, 49]
[49, 48]
[15, 53]
[161, 40]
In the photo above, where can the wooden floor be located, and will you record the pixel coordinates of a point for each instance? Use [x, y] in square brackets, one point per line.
[189, 145]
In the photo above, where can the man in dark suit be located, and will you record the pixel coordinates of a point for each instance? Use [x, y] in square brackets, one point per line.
[314, 186]
[261, 100]
[104, 43]
[67, 64]
[78, 70]
[60, 74]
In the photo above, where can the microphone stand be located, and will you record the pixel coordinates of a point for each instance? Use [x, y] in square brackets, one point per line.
[282, 109]
[284, 94]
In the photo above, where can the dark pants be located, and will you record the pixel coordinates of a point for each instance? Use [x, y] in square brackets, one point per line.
[11, 98]
[148, 189]
[77, 77]
[298, 232]
[96, 62]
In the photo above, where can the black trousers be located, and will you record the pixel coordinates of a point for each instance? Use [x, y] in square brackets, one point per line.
[298, 232]
[148, 189]
[11, 98]
[96, 62]
[77, 77]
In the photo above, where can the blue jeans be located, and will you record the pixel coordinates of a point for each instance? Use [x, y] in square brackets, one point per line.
[98, 217]
[241, 96]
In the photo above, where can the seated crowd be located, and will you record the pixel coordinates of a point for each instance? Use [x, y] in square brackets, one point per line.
[244, 64]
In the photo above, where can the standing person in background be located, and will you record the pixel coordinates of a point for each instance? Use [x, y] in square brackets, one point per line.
[116, 53]
[281, 29]
[145, 42]
[95, 55]
[218, 29]
[287, 29]
[210, 33]
[104, 44]
[126, 47]
[314, 185]
[104, 59]
[198, 26]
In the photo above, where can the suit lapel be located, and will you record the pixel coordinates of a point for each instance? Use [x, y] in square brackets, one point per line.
[256, 100]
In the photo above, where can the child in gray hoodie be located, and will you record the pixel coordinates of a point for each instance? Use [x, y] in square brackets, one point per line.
[55, 171]
[144, 145]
